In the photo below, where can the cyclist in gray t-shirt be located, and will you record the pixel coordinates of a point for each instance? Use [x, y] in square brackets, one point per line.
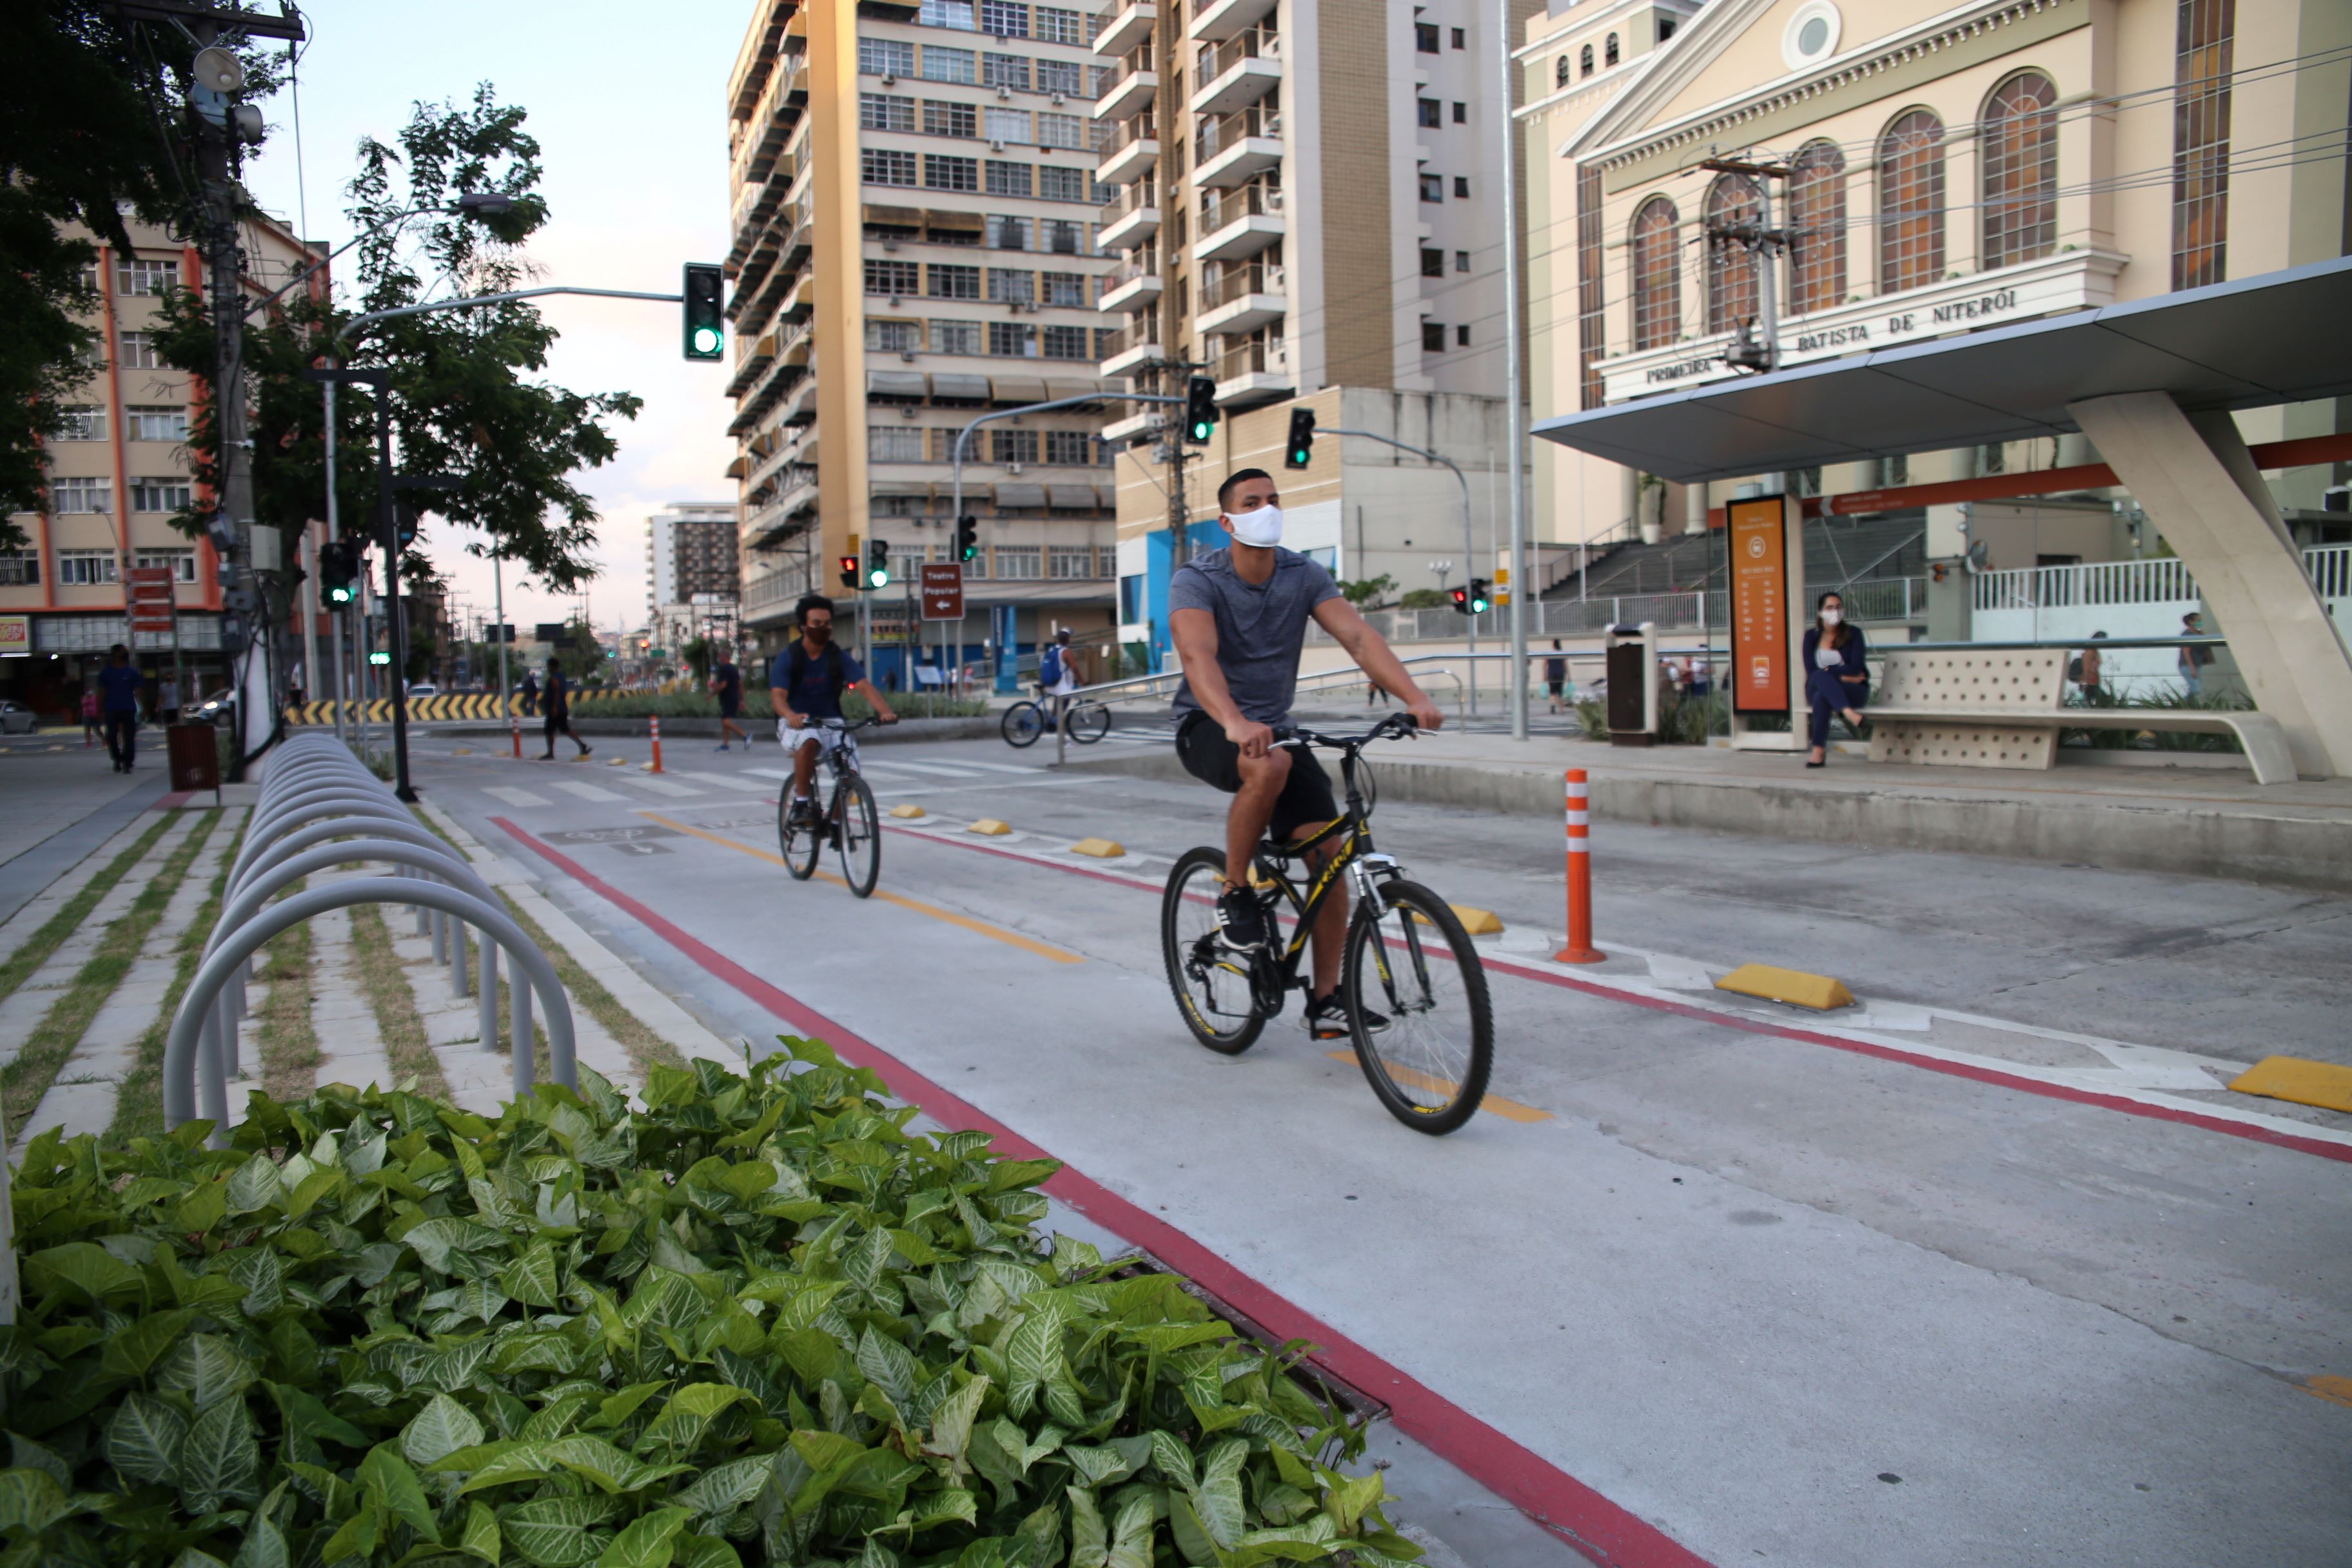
[1239, 617]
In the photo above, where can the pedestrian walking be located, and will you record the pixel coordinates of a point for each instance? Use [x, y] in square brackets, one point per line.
[1556, 677]
[1837, 678]
[727, 681]
[1702, 683]
[88, 717]
[2194, 656]
[118, 689]
[529, 693]
[557, 711]
[2084, 670]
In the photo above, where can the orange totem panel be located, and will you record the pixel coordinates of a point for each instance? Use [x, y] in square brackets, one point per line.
[1760, 607]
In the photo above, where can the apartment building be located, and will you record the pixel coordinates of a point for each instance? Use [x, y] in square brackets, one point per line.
[1309, 198]
[914, 247]
[692, 584]
[118, 474]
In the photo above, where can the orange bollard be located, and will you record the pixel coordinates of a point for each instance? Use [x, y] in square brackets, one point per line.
[1579, 947]
[514, 723]
[656, 767]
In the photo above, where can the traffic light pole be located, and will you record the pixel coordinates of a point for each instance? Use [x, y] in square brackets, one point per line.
[1469, 554]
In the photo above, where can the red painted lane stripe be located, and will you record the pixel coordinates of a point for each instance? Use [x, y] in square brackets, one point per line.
[1993, 1076]
[1583, 1518]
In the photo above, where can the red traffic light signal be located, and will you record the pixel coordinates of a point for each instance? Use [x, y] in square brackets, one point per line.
[1462, 600]
[849, 571]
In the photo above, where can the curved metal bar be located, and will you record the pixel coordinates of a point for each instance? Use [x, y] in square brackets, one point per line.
[180, 1046]
[347, 805]
[303, 770]
[264, 884]
[338, 828]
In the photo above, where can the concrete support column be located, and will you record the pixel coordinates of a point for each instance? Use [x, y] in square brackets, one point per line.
[2192, 475]
[1694, 506]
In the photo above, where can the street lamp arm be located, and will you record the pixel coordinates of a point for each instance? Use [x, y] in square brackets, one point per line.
[964, 434]
[373, 316]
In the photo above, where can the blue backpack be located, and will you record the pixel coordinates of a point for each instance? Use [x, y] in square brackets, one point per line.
[1049, 667]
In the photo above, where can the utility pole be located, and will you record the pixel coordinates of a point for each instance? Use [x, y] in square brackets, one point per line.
[1516, 434]
[1176, 369]
[1766, 243]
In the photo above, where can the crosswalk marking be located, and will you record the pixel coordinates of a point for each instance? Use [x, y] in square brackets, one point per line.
[998, 767]
[514, 797]
[941, 770]
[589, 792]
[785, 773]
[724, 781]
[659, 787]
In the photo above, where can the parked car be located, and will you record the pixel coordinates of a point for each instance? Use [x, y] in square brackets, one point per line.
[211, 708]
[424, 688]
[15, 718]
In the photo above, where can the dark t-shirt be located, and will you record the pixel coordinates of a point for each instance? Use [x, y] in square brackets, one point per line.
[558, 704]
[730, 686]
[813, 696]
[1260, 626]
[117, 685]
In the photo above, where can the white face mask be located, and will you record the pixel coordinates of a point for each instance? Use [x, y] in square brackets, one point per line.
[1262, 528]
[1832, 617]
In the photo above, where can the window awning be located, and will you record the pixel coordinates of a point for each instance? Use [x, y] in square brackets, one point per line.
[1020, 496]
[960, 387]
[1017, 389]
[940, 218]
[898, 488]
[2253, 342]
[895, 384]
[893, 217]
[1064, 388]
[1075, 497]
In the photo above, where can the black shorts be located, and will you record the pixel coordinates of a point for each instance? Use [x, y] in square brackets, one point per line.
[729, 710]
[1305, 800]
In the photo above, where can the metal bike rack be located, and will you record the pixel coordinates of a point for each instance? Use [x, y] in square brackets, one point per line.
[319, 808]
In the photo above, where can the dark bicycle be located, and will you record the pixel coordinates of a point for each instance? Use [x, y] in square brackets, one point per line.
[1411, 980]
[850, 821]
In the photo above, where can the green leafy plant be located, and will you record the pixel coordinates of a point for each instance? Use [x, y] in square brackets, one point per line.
[753, 1319]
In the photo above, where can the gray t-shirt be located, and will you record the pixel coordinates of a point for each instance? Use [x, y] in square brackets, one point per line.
[1260, 627]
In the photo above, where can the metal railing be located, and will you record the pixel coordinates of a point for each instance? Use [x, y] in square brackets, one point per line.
[1215, 132]
[1250, 358]
[2156, 580]
[1132, 197]
[321, 808]
[1211, 61]
[1239, 281]
[1220, 207]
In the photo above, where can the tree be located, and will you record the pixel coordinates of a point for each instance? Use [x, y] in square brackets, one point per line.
[88, 130]
[1423, 599]
[697, 654]
[1368, 590]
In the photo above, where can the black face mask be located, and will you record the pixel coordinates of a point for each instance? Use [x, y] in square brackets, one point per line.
[817, 633]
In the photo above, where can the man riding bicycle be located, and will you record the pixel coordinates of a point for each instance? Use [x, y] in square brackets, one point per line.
[1239, 619]
[805, 684]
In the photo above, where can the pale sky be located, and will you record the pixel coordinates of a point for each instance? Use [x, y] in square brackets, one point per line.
[627, 102]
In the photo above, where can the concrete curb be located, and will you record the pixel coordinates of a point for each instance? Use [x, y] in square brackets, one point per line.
[2282, 851]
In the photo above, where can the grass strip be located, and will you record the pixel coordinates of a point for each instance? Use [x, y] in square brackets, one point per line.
[385, 978]
[139, 1104]
[288, 1045]
[61, 925]
[52, 1041]
[645, 1048]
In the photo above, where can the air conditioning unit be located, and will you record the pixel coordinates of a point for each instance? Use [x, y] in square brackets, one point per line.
[996, 146]
[1003, 93]
[890, 245]
[894, 301]
[907, 355]
[889, 80]
[1274, 201]
[1011, 468]
[1060, 98]
[907, 410]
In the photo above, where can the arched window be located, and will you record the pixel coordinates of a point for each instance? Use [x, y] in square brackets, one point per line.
[2019, 140]
[1609, 51]
[1584, 59]
[1730, 266]
[1559, 72]
[1817, 228]
[1657, 275]
[2205, 43]
[1911, 203]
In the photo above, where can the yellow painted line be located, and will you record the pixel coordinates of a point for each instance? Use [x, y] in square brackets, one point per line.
[1791, 985]
[1509, 1109]
[2338, 1390]
[981, 928]
[2323, 1084]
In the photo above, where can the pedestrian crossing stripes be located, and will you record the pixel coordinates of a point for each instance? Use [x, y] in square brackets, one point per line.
[515, 796]
[588, 791]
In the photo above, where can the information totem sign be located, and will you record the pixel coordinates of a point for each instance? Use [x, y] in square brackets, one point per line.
[1764, 537]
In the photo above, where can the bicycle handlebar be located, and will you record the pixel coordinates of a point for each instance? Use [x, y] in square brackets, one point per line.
[1395, 724]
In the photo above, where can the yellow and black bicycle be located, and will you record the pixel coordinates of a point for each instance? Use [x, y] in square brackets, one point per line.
[1411, 980]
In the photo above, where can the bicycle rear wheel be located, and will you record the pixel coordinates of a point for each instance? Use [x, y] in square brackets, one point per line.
[799, 843]
[1212, 985]
[1024, 722]
[858, 834]
[1089, 722]
[1410, 962]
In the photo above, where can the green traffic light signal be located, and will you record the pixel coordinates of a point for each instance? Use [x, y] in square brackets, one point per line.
[704, 323]
[1299, 450]
[1479, 602]
[1200, 410]
[379, 657]
[877, 565]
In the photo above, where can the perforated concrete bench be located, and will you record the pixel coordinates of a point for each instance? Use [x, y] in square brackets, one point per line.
[2004, 708]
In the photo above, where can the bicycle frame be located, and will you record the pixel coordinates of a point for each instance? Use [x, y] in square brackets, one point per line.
[1355, 854]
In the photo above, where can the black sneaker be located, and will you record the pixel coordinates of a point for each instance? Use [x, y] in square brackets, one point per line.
[1327, 1019]
[1241, 920]
[805, 812]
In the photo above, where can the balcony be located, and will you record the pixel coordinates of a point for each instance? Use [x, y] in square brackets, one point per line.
[1133, 347]
[1132, 154]
[1134, 285]
[1135, 90]
[1244, 298]
[1128, 27]
[753, 355]
[1130, 220]
[1213, 21]
[1252, 372]
[1237, 72]
[1239, 222]
[1232, 149]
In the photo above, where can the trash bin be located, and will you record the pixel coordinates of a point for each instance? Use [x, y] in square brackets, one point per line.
[194, 753]
[1633, 663]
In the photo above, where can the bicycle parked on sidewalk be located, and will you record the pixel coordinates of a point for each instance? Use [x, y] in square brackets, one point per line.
[1411, 980]
[1024, 721]
[850, 822]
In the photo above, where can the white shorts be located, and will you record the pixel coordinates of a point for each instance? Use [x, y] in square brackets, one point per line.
[823, 737]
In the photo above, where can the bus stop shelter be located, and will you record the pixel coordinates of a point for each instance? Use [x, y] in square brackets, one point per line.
[2153, 384]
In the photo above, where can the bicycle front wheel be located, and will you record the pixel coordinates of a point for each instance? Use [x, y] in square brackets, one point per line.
[1211, 984]
[1024, 722]
[799, 843]
[1089, 722]
[860, 835]
[1417, 1008]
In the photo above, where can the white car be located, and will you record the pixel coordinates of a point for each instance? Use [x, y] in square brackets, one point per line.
[15, 718]
[424, 688]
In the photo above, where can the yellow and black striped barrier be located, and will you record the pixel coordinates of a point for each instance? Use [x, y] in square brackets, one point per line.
[434, 710]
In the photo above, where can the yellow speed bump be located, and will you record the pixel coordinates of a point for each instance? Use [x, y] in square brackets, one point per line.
[1477, 923]
[908, 811]
[617, 763]
[1791, 985]
[2323, 1084]
[989, 826]
[1100, 848]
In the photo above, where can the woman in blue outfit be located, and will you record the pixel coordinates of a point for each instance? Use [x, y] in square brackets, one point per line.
[1837, 678]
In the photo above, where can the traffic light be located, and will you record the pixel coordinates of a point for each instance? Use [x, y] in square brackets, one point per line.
[1480, 599]
[1462, 601]
[877, 564]
[849, 572]
[967, 539]
[1301, 449]
[704, 329]
[1200, 410]
[339, 572]
[403, 523]
[379, 657]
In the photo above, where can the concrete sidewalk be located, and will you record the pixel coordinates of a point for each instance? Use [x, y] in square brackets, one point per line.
[2183, 821]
